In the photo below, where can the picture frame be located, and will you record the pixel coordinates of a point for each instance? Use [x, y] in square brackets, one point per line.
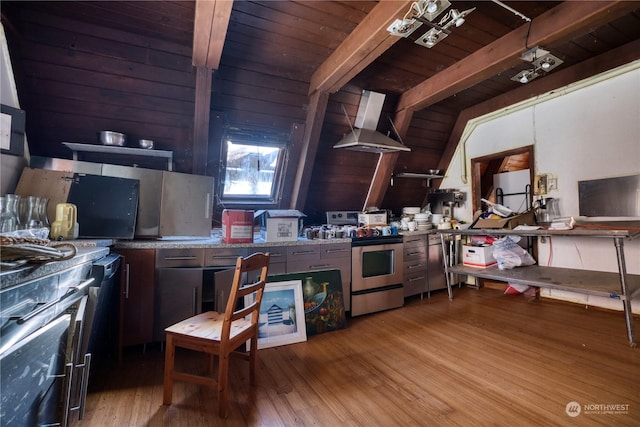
[12, 129]
[323, 299]
[282, 318]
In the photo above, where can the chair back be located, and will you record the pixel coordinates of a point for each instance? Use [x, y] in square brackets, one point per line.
[255, 268]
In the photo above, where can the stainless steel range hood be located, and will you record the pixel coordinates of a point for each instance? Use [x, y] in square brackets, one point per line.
[365, 137]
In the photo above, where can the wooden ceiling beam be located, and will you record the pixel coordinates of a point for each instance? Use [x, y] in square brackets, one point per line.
[209, 31]
[561, 22]
[363, 45]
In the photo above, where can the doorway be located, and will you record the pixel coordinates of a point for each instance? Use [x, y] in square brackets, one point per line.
[484, 168]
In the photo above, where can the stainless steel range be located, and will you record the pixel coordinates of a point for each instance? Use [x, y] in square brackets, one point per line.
[376, 274]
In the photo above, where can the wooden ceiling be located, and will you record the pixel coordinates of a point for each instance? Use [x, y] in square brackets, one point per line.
[309, 61]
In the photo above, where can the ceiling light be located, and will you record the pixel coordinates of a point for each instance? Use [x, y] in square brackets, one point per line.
[403, 27]
[432, 8]
[547, 62]
[525, 76]
[542, 62]
[456, 17]
[431, 38]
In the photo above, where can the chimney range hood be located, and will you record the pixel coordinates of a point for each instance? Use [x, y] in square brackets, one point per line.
[365, 137]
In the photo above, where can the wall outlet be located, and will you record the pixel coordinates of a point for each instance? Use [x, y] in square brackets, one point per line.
[552, 183]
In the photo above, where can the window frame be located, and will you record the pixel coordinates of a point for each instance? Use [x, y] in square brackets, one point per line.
[259, 138]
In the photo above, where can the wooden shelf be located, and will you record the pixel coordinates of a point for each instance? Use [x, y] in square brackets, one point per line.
[111, 149]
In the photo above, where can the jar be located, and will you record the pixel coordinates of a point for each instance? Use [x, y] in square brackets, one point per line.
[8, 219]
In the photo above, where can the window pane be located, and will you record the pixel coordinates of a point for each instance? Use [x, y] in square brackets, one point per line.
[250, 170]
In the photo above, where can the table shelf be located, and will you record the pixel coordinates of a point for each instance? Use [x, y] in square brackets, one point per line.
[76, 147]
[619, 285]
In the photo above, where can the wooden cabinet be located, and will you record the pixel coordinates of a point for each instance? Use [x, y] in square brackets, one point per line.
[178, 292]
[415, 265]
[136, 296]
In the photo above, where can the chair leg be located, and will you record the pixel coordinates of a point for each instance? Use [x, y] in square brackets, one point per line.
[169, 359]
[223, 378]
[253, 359]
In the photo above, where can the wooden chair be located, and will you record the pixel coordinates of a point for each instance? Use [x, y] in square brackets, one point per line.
[221, 334]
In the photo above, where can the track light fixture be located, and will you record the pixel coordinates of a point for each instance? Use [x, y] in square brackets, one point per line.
[542, 62]
[424, 12]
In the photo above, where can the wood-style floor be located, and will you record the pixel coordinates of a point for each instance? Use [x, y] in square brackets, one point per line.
[482, 359]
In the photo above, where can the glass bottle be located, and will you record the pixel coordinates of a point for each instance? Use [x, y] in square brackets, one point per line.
[31, 219]
[42, 203]
[7, 217]
[12, 206]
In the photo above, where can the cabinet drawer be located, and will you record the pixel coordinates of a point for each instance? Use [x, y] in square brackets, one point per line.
[337, 250]
[179, 257]
[277, 254]
[415, 283]
[224, 256]
[414, 266]
[410, 241]
[303, 253]
[415, 253]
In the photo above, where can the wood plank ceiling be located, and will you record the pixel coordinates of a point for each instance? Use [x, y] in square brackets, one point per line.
[299, 67]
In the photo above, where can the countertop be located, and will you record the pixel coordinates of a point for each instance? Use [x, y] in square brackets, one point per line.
[26, 273]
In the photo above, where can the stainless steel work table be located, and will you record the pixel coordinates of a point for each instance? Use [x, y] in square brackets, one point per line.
[620, 285]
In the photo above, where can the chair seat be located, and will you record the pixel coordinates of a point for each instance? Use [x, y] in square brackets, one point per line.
[207, 326]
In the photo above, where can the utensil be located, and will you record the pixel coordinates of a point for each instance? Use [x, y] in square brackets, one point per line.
[146, 143]
[498, 209]
[109, 137]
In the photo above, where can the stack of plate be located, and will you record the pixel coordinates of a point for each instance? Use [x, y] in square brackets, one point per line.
[423, 220]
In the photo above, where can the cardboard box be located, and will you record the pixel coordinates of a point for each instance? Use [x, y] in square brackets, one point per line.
[478, 256]
[237, 226]
[375, 218]
[526, 218]
[279, 225]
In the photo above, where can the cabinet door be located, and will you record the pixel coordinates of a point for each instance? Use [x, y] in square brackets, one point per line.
[178, 297]
[137, 296]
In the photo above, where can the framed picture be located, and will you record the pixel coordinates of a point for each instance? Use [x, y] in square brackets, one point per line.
[323, 299]
[281, 314]
[12, 128]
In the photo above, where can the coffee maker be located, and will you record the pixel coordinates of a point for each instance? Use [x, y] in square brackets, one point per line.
[443, 201]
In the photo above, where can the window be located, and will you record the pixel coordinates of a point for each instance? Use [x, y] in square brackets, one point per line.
[252, 167]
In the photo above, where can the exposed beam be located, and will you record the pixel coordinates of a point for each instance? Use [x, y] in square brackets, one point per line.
[313, 127]
[210, 31]
[363, 45]
[568, 18]
[202, 107]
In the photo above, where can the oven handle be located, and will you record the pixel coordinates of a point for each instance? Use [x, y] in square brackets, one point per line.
[70, 291]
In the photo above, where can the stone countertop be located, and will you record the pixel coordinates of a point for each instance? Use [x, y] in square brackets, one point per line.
[26, 273]
[215, 242]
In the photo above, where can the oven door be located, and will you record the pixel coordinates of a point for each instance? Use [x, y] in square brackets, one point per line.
[376, 266]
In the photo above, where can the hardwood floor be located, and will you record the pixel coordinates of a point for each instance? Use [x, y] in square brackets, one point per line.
[482, 359]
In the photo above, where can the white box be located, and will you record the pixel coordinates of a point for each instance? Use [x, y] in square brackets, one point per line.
[478, 256]
[377, 218]
[279, 225]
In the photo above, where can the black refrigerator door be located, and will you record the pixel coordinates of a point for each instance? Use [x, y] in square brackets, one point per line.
[107, 206]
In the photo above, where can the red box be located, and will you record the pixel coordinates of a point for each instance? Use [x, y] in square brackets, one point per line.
[237, 226]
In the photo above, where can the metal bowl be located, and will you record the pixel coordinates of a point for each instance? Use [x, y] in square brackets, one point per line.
[108, 137]
[434, 171]
[146, 143]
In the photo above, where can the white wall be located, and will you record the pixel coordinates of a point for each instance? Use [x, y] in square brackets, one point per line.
[587, 130]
